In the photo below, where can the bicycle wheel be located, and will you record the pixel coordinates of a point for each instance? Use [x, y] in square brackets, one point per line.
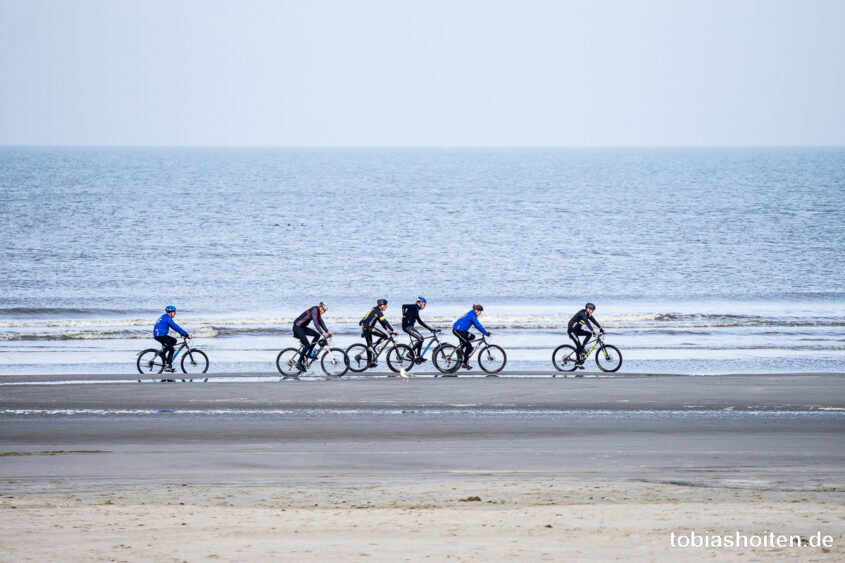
[564, 358]
[195, 361]
[286, 362]
[399, 357]
[150, 361]
[358, 358]
[334, 362]
[447, 359]
[609, 358]
[492, 359]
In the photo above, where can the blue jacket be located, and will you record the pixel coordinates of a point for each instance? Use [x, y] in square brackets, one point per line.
[468, 320]
[164, 324]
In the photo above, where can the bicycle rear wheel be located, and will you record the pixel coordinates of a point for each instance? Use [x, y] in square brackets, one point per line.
[447, 359]
[492, 359]
[334, 362]
[286, 362]
[150, 361]
[564, 358]
[359, 359]
[399, 357]
[609, 358]
[195, 361]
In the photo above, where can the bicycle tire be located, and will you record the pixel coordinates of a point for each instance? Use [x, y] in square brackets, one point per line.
[334, 362]
[447, 359]
[286, 362]
[609, 358]
[195, 361]
[488, 359]
[565, 358]
[358, 357]
[399, 357]
[150, 361]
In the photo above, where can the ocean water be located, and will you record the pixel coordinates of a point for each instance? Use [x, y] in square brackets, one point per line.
[700, 260]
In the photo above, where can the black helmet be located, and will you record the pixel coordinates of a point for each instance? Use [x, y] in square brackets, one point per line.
[382, 302]
[590, 306]
[477, 308]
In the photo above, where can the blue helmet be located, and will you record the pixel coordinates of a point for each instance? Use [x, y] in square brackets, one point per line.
[422, 299]
[170, 309]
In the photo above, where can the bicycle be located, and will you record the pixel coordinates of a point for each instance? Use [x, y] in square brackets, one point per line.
[398, 358]
[333, 361]
[608, 357]
[491, 358]
[151, 360]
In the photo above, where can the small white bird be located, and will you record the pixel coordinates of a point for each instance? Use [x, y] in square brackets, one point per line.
[404, 373]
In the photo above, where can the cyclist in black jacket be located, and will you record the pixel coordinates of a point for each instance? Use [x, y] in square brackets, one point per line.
[302, 331]
[368, 329]
[410, 317]
[582, 317]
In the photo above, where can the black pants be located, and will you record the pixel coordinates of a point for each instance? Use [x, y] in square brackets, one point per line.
[465, 338]
[368, 334]
[303, 332]
[574, 333]
[417, 340]
[168, 343]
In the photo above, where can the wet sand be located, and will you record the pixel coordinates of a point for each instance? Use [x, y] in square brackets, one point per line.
[380, 469]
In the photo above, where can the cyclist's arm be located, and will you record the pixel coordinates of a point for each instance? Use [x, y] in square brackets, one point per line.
[176, 327]
[425, 325]
[318, 319]
[385, 323]
[479, 327]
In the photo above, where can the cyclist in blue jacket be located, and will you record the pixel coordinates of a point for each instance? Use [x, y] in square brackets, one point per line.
[461, 330]
[160, 330]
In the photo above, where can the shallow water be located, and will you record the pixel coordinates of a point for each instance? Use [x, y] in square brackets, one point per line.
[700, 260]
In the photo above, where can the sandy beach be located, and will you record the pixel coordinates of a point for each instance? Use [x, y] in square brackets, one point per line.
[385, 470]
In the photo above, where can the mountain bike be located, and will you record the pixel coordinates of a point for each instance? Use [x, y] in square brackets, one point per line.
[193, 361]
[333, 361]
[491, 358]
[398, 356]
[608, 357]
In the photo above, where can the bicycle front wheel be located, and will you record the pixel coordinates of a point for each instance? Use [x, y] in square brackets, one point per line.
[334, 362]
[359, 359]
[286, 362]
[150, 361]
[492, 358]
[399, 357]
[195, 361]
[609, 358]
[447, 359]
[565, 358]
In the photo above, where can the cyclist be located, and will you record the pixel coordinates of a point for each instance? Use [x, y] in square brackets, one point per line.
[368, 329]
[461, 330]
[160, 330]
[302, 331]
[410, 317]
[583, 317]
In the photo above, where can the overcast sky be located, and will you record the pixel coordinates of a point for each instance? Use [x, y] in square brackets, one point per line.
[424, 73]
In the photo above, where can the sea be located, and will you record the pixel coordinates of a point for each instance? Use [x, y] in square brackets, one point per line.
[700, 260]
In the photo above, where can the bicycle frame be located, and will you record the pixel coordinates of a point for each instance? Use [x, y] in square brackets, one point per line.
[597, 341]
[481, 341]
[318, 348]
[178, 351]
[431, 338]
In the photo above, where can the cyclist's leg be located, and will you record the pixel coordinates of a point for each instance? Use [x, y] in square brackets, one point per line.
[464, 338]
[168, 343]
[579, 346]
[381, 338]
[316, 338]
[417, 340]
[299, 332]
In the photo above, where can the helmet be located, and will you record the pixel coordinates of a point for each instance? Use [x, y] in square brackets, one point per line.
[590, 306]
[422, 299]
[322, 305]
[477, 308]
[382, 302]
[170, 309]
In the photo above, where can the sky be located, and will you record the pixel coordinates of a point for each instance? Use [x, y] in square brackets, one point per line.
[435, 73]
